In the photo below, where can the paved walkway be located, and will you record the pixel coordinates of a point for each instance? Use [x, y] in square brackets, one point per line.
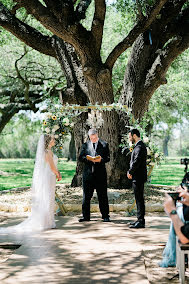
[93, 252]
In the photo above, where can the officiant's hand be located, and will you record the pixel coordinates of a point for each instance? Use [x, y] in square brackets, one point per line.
[129, 175]
[98, 160]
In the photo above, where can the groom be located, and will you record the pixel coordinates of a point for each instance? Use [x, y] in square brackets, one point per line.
[94, 175]
[138, 173]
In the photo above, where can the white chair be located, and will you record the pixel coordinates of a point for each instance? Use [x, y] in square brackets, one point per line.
[181, 251]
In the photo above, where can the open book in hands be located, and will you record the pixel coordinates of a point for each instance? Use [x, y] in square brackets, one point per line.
[93, 159]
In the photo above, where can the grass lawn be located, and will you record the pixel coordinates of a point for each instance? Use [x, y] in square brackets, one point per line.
[22, 170]
[170, 172]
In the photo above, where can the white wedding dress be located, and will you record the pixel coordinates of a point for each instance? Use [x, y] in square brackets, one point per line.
[43, 196]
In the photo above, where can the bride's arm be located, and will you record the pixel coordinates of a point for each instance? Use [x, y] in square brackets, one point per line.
[49, 160]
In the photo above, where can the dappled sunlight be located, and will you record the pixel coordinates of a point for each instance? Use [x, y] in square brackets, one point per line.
[91, 252]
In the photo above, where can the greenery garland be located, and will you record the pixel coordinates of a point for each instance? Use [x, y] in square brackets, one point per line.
[61, 119]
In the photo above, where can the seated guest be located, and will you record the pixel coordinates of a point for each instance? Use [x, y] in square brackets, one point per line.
[180, 212]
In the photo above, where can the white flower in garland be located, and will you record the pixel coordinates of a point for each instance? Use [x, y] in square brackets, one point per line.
[145, 139]
[156, 155]
[66, 121]
[56, 127]
[148, 151]
[47, 129]
[48, 114]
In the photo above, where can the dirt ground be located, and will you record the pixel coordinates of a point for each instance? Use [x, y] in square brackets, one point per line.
[158, 274]
[72, 195]
[69, 195]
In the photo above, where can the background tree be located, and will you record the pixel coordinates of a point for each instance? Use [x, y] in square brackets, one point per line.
[165, 22]
[27, 80]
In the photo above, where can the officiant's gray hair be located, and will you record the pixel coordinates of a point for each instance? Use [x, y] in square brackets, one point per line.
[92, 132]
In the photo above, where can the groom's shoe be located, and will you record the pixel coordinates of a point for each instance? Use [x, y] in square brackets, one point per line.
[133, 222]
[106, 219]
[137, 225]
[84, 220]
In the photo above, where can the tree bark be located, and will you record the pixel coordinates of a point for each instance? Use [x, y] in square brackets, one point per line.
[80, 134]
[72, 150]
[100, 91]
[149, 61]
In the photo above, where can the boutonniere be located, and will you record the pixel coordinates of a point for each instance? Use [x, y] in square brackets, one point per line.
[131, 148]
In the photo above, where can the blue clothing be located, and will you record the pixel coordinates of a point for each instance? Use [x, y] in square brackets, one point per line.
[169, 253]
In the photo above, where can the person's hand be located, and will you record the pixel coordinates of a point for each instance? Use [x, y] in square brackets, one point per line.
[129, 175]
[185, 196]
[169, 204]
[98, 160]
[59, 177]
[179, 188]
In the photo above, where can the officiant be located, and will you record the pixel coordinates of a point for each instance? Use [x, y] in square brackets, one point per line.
[94, 154]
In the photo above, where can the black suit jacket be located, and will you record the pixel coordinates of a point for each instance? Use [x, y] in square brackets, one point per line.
[138, 168]
[99, 168]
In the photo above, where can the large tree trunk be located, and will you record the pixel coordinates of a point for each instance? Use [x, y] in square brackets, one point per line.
[100, 91]
[72, 150]
[80, 134]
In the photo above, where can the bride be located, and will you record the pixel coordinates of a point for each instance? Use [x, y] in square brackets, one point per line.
[43, 190]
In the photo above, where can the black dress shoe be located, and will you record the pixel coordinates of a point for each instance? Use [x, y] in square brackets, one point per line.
[137, 225]
[133, 223]
[84, 220]
[106, 220]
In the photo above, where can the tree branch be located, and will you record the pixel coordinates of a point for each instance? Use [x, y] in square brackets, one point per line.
[82, 8]
[76, 91]
[139, 28]
[176, 27]
[156, 75]
[98, 23]
[25, 33]
[10, 109]
[62, 10]
[56, 23]
[139, 7]
[74, 34]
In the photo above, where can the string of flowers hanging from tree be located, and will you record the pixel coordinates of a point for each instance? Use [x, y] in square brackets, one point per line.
[60, 121]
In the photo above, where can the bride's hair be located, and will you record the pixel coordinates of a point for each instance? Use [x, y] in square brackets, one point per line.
[47, 140]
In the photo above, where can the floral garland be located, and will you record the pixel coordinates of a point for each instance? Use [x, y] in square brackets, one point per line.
[59, 126]
[60, 120]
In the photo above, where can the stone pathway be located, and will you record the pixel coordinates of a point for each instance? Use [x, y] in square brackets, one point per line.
[93, 252]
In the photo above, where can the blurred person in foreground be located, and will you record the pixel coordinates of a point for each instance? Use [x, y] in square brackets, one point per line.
[179, 227]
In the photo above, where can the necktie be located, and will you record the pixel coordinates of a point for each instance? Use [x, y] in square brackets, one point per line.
[94, 155]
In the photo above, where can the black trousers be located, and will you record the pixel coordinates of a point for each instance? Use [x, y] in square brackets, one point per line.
[88, 190]
[138, 188]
